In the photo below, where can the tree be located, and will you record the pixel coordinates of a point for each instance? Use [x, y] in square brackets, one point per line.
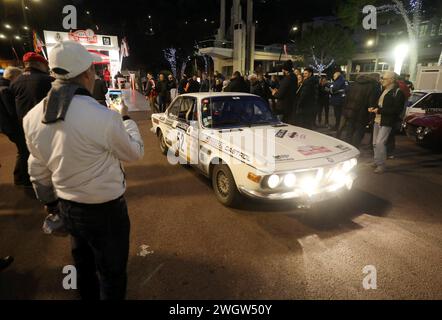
[325, 46]
[410, 11]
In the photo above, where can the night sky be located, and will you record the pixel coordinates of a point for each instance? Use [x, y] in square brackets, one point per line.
[168, 22]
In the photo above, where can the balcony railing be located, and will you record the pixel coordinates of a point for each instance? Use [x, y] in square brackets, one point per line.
[229, 45]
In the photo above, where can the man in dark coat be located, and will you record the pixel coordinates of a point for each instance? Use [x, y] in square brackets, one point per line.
[205, 84]
[182, 85]
[308, 100]
[390, 106]
[33, 85]
[337, 96]
[9, 121]
[237, 84]
[193, 86]
[163, 92]
[286, 94]
[362, 95]
[100, 90]
[256, 87]
[28, 90]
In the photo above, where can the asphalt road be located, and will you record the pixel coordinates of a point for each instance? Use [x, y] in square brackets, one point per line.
[185, 245]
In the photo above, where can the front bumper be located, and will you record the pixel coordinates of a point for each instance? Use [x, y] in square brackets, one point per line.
[321, 194]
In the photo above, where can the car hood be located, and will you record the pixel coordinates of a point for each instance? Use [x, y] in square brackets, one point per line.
[433, 121]
[270, 149]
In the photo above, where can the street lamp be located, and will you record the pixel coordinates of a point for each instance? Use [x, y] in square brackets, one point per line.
[370, 43]
[400, 53]
[295, 28]
[2, 36]
[8, 26]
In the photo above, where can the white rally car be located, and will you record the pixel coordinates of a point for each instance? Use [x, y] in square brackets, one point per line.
[236, 141]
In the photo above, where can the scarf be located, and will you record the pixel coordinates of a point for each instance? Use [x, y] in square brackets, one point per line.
[57, 102]
[381, 102]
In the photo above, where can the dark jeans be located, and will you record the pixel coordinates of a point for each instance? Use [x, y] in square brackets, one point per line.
[100, 243]
[338, 114]
[162, 101]
[21, 175]
[323, 107]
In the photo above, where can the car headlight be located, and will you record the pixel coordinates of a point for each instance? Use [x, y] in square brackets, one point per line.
[348, 165]
[420, 132]
[273, 181]
[309, 185]
[290, 180]
[427, 131]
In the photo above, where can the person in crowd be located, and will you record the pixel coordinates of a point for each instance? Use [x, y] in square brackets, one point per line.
[391, 142]
[218, 75]
[297, 72]
[77, 146]
[107, 77]
[9, 124]
[267, 93]
[163, 92]
[172, 87]
[100, 90]
[28, 90]
[151, 92]
[362, 95]
[237, 84]
[323, 102]
[205, 83]
[408, 82]
[120, 80]
[182, 84]
[274, 82]
[247, 81]
[307, 101]
[193, 86]
[296, 116]
[218, 85]
[225, 85]
[286, 94]
[389, 107]
[256, 87]
[337, 96]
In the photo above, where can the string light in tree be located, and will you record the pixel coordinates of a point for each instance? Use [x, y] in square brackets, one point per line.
[170, 56]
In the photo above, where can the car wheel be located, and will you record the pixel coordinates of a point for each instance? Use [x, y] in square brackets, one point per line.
[163, 145]
[224, 186]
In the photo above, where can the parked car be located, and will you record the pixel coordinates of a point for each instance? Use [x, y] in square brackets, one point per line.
[236, 141]
[421, 100]
[423, 118]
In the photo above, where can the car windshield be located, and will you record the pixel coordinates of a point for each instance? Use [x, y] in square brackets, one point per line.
[236, 111]
[415, 97]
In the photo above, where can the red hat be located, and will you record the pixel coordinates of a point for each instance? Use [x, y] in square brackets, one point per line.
[32, 56]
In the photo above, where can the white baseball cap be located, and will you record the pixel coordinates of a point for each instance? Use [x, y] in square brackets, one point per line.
[69, 59]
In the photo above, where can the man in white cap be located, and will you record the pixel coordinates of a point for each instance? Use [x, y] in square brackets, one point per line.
[76, 146]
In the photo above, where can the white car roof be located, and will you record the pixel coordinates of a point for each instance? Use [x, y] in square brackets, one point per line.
[202, 95]
[427, 91]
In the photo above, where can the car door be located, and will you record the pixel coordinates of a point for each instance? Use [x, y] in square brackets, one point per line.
[192, 134]
[171, 122]
[186, 143]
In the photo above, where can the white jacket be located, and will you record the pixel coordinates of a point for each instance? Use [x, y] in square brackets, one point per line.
[79, 159]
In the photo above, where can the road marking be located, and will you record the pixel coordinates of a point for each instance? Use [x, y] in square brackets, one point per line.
[152, 274]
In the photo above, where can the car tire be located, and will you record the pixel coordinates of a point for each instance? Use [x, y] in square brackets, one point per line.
[224, 186]
[163, 145]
